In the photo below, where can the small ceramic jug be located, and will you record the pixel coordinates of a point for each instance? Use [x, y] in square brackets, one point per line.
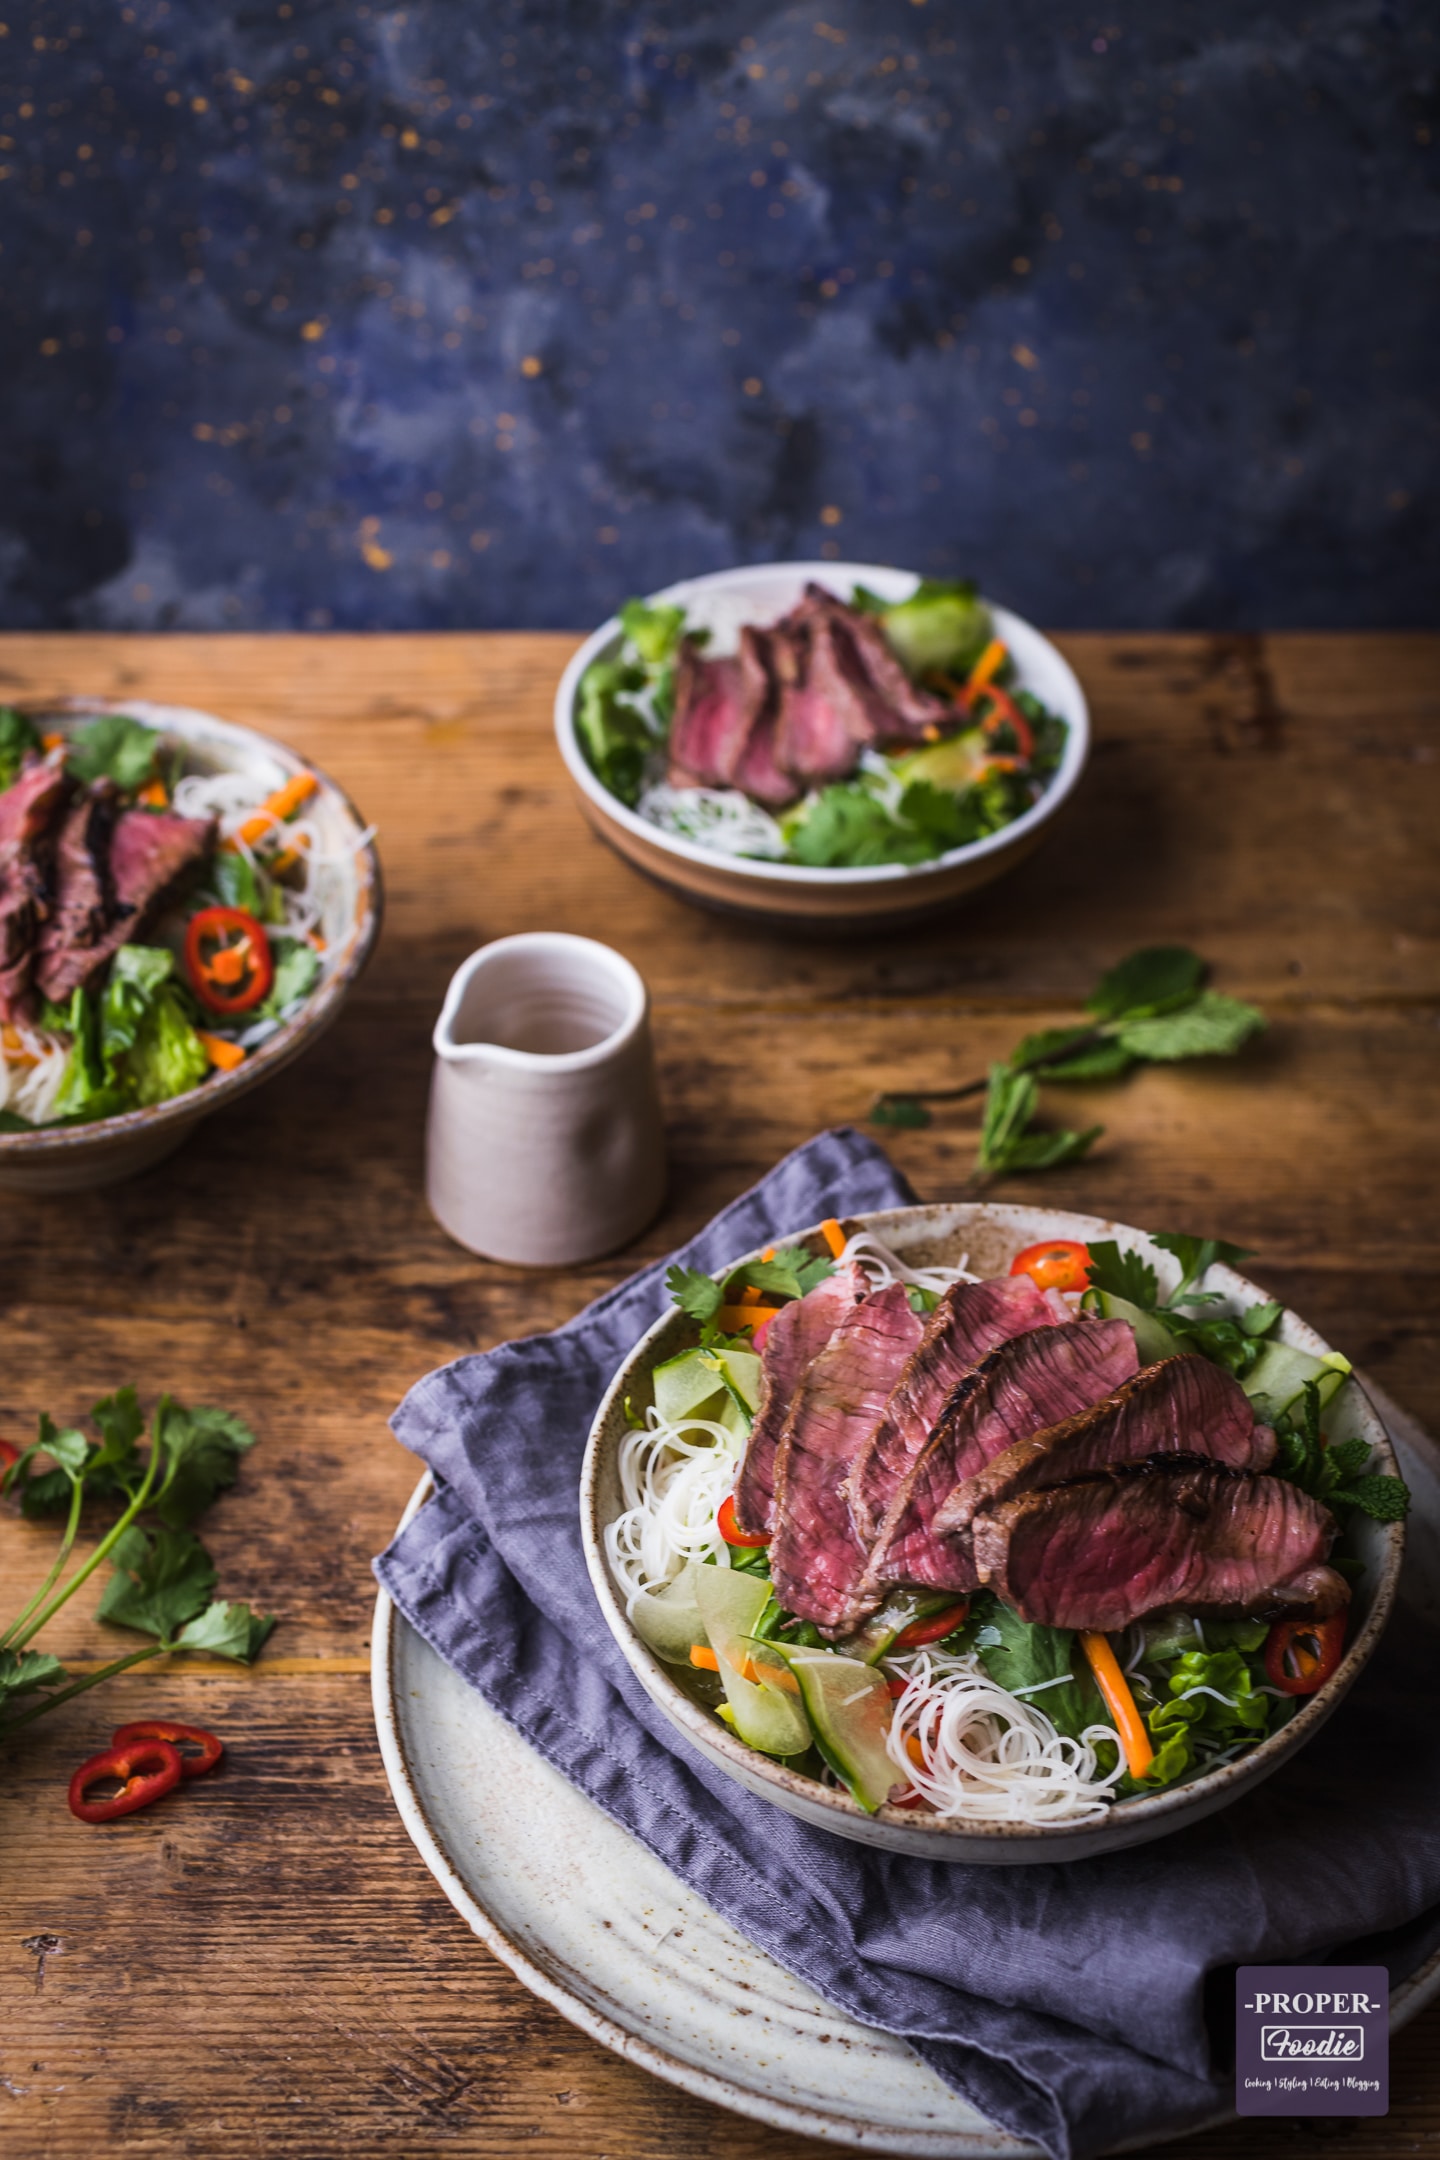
[545, 1142]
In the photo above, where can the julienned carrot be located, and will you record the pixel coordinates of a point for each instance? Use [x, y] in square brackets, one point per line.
[834, 1237]
[988, 665]
[775, 1676]
[769, 1253]
[277, 807]
[704, 1658]
[223, 1055]
[153, 796]
[1135, 1741]
[732, 1318]
[749, 1295]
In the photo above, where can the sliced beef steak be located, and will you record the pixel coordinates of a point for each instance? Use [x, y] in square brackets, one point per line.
[816, 1559]
[84, 905]
[715, 710]
[757, 773]
[153, 853]
[1023, 1386]
[1184, 1535]
[794, 1338]
[29, 808]
[823, 723]
[900, 711]
[1182, 1406]
[970, 1320]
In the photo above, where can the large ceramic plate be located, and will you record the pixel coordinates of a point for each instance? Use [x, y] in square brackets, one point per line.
[592, 1923]
[788, 891]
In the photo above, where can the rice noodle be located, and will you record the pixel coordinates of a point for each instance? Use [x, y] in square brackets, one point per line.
[989, 1756]
[234, 799]
[32, 1066]
[672, 1479]
[718, 818]
[885, 1267]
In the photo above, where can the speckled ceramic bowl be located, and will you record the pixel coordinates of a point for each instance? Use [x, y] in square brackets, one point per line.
[73, 1158]
[991, 1236]
[787, 892]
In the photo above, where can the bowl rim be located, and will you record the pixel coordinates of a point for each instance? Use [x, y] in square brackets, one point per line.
[935, 1831]
[1062, 784]
[294, 1035]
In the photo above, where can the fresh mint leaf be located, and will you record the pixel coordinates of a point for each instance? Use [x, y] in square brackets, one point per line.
[1213, 1026]
[116, 748]
[1048, 1150]
[1108, 1060]
[1383, 1499]
[225, 1630]
[1149, 981]
[1348, 1458]
[162, 1579]
[901, 1113]
[1009, 1106]
[699, 1295]
[202, 1448]
[1122, 1274]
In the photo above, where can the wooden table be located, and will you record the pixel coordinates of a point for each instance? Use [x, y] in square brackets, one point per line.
[268, 1968]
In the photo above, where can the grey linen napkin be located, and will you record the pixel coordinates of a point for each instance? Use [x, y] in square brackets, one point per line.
[1069, 2002]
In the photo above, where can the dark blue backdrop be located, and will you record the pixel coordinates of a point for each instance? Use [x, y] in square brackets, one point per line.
[491, 311]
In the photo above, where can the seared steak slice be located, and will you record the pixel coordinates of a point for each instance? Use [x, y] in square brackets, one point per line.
[757, 774]
[816, 1559]
[970, 1320]
[823, 723]
[1182, 1406]
[84, 904]
[717, 703]
[902, 712]
[28, 810]
[794, 1338]
[1171, 1534]
[152, 855]
[1022, 1387]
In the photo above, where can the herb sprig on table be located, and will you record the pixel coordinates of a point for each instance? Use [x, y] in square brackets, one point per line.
[162, 1581]
[1152, 1008]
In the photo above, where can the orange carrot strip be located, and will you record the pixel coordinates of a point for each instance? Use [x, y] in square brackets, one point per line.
[279, 806]
[732, 1318]
[769, 1253]
[749, 1295]
[223, 1055]
[704, 1658]
[988, 665]
[52, 742]
[1139, 1753]
[153, 795]
[834, 1237]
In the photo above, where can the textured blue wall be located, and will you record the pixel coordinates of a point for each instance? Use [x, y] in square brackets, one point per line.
[476, 312]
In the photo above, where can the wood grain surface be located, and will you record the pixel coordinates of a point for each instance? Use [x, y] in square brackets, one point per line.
[268, 1968]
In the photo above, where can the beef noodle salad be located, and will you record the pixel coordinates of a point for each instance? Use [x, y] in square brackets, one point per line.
[1002, 1550]
[158, 921]
[848, 733]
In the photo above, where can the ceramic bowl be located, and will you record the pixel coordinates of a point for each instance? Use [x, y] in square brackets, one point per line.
[991, 1236]
[788, 892]
[73, 1158]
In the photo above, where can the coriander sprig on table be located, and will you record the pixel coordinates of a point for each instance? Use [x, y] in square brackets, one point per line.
[1152, 1008]
[162, 1580]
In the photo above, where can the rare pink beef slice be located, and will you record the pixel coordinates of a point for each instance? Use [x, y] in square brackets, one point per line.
[899, 709]
[1182, 1406]
[84, 905]
[823, 724]
[793, 1340]
[816, 1559]
[1024, 1385]
[758, 775]
[29, 808]
[153, 855]
[1173, 1535]
[970, 1320]
[717, 705]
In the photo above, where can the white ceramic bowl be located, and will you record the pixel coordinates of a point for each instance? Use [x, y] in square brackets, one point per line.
[991, 1236]
[789, 891]
[73, 1158]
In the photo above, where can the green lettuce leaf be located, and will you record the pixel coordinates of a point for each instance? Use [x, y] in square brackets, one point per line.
[18, 740]
[168, 1057]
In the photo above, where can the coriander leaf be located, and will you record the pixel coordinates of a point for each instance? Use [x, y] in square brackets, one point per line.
[846, 827]
[1025, 1655]
[901, 1113]
[121, 1423]
[1383, 1499]
[23, 1671]
[297, 970]
[237, 882]
[699, 1295]
[1149, 981]
[225, 1630]
[780, 1274]
[202, 1449]
[162, 1579]
[1197, 1256]
[814, 1268]
[1122, 1274]
[1213, 1026]
[18, 740]
[69, 1448]
[116, 748]
[1258, 1320]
